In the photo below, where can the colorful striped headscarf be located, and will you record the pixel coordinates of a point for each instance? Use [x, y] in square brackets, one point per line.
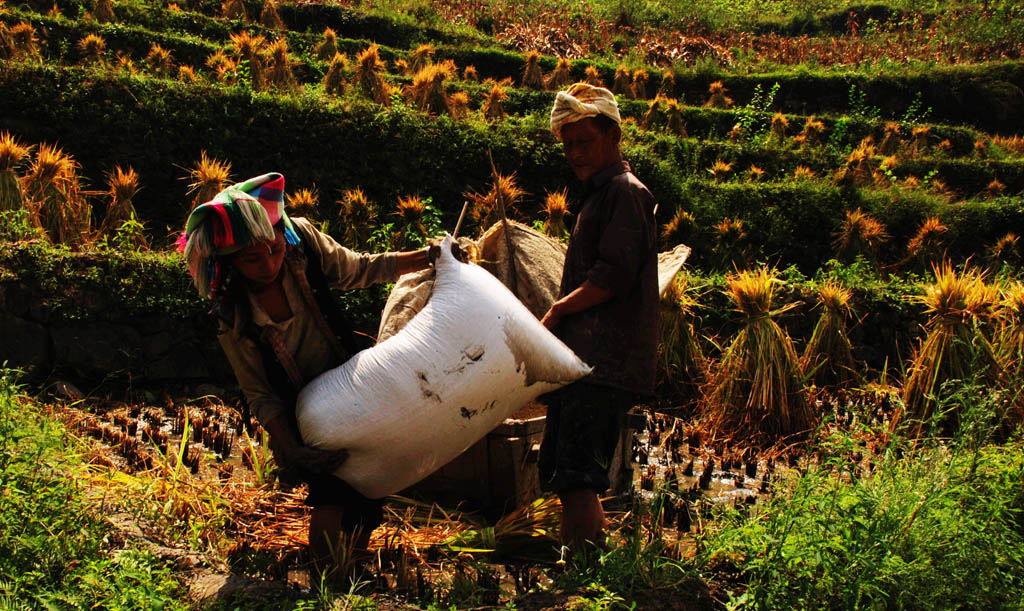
[580, 101]
[238, 216]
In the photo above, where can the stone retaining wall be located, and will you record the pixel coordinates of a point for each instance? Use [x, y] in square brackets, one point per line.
[103, 345]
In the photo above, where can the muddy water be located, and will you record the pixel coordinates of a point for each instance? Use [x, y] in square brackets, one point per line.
[663, 461]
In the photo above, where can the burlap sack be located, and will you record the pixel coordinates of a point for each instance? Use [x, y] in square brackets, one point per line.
[537, 267]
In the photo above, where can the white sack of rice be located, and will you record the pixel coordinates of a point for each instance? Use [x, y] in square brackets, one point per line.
[469, 359]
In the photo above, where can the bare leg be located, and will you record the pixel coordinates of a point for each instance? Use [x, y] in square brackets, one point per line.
[324, 535]
[582, 517]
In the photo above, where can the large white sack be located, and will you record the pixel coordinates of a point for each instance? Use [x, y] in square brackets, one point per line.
[538, 261]
[469, 359]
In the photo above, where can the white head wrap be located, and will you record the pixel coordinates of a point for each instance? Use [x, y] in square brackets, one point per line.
[580, 101]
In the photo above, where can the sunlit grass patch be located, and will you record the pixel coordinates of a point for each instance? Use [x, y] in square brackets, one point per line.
[56, 548]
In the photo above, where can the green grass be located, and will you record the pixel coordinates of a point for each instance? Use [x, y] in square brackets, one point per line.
[56, 550]
[939, 526]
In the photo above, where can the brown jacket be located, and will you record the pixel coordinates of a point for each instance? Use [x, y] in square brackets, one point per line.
[302, 337]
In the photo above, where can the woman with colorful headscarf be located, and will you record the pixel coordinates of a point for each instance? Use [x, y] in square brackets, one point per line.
[269, 276]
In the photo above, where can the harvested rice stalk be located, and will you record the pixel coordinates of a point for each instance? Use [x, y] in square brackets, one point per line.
[720, 169]
[561, 76]
[1009, 339]
[122, 187]
[756, 395]
[327, 48]
[234, 10]
[458, 105]
[485, 209]
[858, 169]
[160, 61]
[622, 83]
[954, 347]
[103, 11]
[427, 91]
[812, 133]
[533, 76]
[92, 47]
[280, 74]
[55, 197]
[674, 123]
[303, 201]
[1006, 251]
[860, 234]
[494, 107]
[927, 245]
[655, 115]
[891, 142]
[422, 56]
[556, 206]
[249, 48]
[357, 216]
[779, 125]
[334, 80]
[369, 75]
[919, 144]
[668, 83]
[638, 89]
[718, 98]
[187, 75]
[209, 177]
[12, 152]
[731, 248]
[828, 357]
[269, 16]
[682, 229]
[21, 41]
[682, 368]
[410, 211]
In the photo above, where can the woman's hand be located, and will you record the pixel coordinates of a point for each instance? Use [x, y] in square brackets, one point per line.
[293, 458]
[317, 461]
[434, 250]
[293, 455]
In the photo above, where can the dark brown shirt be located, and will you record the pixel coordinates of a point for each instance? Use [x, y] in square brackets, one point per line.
[614, 245]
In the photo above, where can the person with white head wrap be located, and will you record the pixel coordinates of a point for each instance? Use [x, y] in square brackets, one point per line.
[607, 310]
[581, 101]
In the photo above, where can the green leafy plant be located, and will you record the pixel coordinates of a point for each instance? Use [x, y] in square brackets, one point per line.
[53, 539]
[754, 117]
[858, 106]
[874, 524]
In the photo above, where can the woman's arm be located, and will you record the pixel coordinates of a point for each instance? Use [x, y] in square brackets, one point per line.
[415, 260]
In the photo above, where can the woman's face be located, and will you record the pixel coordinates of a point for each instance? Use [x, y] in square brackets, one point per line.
[260, 263]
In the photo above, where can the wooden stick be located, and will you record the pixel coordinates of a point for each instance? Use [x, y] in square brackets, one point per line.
[462, 215]
[513, 279]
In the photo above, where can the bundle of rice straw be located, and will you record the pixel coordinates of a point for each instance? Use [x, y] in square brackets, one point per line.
[756, 395]
[828, 357]
[954, 347]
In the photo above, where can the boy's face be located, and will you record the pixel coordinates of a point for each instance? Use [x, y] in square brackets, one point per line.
[588, 149]
[260, 263]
